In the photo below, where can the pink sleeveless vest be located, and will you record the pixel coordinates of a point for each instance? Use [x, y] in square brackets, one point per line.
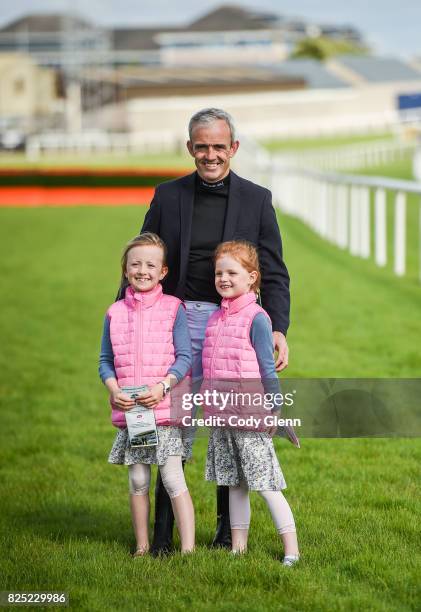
[229, 359]
[141, 332]
[227, 350]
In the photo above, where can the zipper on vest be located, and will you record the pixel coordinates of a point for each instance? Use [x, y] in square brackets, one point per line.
[215, 347]
[138, 344]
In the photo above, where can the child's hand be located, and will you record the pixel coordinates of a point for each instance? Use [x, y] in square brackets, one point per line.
[121, 400]
[152, 397]
[271, 430]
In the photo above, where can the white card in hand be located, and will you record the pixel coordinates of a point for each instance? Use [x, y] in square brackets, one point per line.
[140, 421]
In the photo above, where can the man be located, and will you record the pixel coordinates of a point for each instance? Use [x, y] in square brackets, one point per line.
[193, 214]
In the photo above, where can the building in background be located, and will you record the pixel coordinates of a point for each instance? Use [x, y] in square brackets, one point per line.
[29, 97]
[227, 35]
[148, 80]
[296, 98]
[56, 40]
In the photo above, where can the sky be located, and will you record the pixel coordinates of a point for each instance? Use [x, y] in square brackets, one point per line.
[391, 27]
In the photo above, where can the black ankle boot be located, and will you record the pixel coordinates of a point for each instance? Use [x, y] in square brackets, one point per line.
[164, 521]
[223, 527]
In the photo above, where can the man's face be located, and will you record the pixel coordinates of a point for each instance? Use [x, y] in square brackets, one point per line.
[212, 150]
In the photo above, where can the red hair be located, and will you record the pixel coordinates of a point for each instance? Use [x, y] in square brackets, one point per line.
[245, 253]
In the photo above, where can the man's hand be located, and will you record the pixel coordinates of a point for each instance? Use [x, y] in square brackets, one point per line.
[152, 397]
[281, 347]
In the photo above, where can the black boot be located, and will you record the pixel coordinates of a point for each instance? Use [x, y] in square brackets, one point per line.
[164, 521]
[223, 527]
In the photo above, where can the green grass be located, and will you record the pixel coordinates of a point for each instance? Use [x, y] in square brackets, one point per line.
[300, 144]
[65, 522]
[349, 317]
[97, 160]
[401, 169]
[374, 328]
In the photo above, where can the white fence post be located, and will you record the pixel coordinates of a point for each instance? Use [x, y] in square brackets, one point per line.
[419, 244]
[400, 233]
[365, 222]
[354, 238]
[380, 227]
[342, 216]
[338, 206]
[351, 156]
[330, 212]
[323, 209]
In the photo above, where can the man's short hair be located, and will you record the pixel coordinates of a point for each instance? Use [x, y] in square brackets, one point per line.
[209, 115]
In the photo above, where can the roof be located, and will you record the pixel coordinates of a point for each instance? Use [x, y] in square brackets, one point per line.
[227, 17]
[232, 17]
[314, 72]
[48, 22]
[340, 31]
[159, 80]
[124, 39]
[379, 69]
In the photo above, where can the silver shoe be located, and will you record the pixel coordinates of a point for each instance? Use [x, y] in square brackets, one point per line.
[290, 560]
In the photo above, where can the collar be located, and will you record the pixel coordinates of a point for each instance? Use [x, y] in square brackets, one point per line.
[203, 185]
[145, 298]
[232, 305]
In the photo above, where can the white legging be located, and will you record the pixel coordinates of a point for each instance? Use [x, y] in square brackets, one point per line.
[171, 473]
[278, 506]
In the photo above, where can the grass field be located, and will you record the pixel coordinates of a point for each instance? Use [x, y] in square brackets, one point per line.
[65, 522]
[97, 160]
[300, 144]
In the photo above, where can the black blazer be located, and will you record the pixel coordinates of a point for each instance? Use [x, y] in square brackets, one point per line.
[250, 216]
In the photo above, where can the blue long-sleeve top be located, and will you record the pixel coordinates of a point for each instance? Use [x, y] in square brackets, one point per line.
[181, 341]
[261, 340]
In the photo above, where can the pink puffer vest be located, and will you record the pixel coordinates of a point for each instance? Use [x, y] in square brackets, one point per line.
[141, 332]
[229, 359]
[227, 350]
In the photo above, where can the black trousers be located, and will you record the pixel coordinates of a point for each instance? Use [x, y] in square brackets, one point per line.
[164, 519]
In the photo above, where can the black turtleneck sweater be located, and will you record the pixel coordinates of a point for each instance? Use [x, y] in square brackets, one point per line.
[210, 205]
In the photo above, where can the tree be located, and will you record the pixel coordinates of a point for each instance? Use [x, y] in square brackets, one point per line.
[322, 48]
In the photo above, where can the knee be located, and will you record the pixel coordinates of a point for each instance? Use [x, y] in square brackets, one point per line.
[287, 529]
[173, 477]
[139, 479]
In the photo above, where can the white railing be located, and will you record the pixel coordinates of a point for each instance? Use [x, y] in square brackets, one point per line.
[338, 207]
[348, 210]
[97, 141]
[349, 157]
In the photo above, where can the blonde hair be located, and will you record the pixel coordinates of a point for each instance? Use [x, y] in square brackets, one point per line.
[245, 253]
[145, 239]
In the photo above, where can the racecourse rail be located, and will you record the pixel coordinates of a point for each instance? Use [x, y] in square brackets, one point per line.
[350, 156]
[337, 206]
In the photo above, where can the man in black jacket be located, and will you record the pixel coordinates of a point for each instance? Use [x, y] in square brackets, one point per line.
[193, 214]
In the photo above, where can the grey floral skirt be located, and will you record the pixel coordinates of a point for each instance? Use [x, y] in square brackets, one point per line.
[236, 456]
[171, 441]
